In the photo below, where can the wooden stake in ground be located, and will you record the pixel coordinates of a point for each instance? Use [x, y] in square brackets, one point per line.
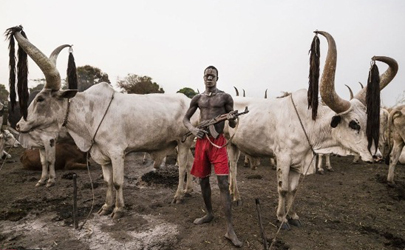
[261, 225]
[75, 222]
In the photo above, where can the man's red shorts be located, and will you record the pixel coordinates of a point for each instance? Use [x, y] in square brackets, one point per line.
[207, 154]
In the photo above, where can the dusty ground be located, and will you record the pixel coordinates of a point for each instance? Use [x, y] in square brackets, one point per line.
[350, 208]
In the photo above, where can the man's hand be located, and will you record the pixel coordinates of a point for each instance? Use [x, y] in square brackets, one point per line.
[198, 132]
[232, 115]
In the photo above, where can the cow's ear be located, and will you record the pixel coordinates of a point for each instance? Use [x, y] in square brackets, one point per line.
[335, 121]
[68, 93]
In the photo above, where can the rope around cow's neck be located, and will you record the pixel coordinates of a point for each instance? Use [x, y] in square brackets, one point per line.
[302, 125]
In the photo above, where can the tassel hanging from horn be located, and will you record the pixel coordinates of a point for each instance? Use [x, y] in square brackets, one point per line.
[71, 71]
[373, 107]
[12, 59]
[22, 72]
[22, 78]
[314, 77]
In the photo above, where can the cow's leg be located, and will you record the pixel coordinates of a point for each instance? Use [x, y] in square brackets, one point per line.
[356, 158]
[44, 164]
[189, 183]
[256, 163]
[327, 162]
[273, 162]
[145, 155]
[182, 160]
[50, 152]
[246, 161]
[283, 171]
[320, 162]
[5, 155]
[107, 208]
[292, 216]
[118, 183]
[233, 154]
[394, 157]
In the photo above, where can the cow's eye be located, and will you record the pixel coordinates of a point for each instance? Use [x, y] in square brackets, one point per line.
[40, 99]
[354, 125]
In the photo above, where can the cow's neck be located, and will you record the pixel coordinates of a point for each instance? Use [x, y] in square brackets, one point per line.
[84, 118]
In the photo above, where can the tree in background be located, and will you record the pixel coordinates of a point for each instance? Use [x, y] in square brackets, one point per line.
[134, 84]
[189, 92]
[88, 75]
[40, 86]
[3, 93]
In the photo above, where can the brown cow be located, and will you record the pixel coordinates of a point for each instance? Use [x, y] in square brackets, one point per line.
[68, 157]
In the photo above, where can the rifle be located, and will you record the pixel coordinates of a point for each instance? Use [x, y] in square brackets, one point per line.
[209, 124]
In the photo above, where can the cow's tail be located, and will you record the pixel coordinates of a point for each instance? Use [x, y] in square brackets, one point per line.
[373, 107]
[314, 77]
[22, 71]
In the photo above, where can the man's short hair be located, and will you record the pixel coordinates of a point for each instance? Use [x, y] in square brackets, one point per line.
[212, 67]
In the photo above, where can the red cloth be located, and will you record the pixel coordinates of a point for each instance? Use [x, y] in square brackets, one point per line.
[207, 154]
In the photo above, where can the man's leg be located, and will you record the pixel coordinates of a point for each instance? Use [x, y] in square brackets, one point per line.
[226, 200]
[206, 194]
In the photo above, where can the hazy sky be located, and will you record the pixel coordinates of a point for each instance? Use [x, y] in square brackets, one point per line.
[256, 45]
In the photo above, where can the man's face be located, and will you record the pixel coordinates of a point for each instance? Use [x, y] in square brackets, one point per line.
[210, 77]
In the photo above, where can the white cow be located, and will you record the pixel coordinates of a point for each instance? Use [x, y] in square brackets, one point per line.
[8, 138]
[273, 127]
[396, 124]
[10, 141]
[108, 124]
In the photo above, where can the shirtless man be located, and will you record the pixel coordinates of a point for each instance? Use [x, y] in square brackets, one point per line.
[212, 102]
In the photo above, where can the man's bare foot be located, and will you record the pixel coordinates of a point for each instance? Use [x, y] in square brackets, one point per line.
[234, 239]
[207, 218]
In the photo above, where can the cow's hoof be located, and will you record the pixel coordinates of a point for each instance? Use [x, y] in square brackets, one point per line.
[285, 226]
[294, 222]
[237, 203]
[50, 184]
[40, 183]
[331, 170]
[321, 172]
[105, 211]
[177, 200]
[117, 214]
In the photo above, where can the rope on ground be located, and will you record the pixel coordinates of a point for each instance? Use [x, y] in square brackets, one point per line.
[92, 192]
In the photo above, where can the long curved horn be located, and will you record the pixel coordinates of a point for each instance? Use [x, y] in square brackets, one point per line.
[350, 90]
[244, 95]
[236, 90]
[361, 85]
[327, 86]
[385, 78]
[265, 94]
[55, 53]
[52, 76]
